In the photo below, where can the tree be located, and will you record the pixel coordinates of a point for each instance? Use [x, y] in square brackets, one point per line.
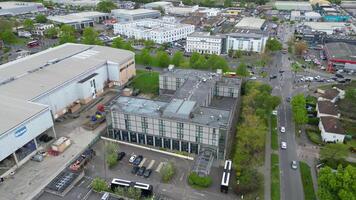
[238, 54]
[200, 181]
[67, 34]
[118, 43]
[350, 94]
[149, 44]
[334, 151]
[133, 193]
[28, 24]
[273, 45]
[197, 61]
[111, 154]
[106, 6]
[177, 59]
[99, 185]
[163, 59]
[8, 36]
[242, 70]
[167, 172]
[217, 62]
[227, 3]
[145, 57]
[300, 47]
[339, 185]
[90, 36]
[51, 33]
[161, 10]
[299, 109]
[249, 181]
[40, 18]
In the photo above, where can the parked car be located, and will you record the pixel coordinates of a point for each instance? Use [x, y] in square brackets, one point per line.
[132, 158]
[273, 77]
[283, 145]
[148, 68]
[37, 158]
[294, 164]
[120, 156]
[147, 173]
[135, 169]
[253, 78]
[339, 75]
[137, 160]
[289, 99]
[141, 171]
[45, 138]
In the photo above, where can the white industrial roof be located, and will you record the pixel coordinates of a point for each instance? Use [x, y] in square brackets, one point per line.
[132, 12]
[28, 78]
[325, 25]
[16, 4]
[250, 22]
[312, 14]
[293, 5]
[75, 17]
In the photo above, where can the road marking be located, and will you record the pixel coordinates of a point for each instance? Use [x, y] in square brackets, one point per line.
[151, 164]
[142, 162]
[159, 166]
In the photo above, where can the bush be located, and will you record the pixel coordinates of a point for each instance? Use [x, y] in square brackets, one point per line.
[99, 185]
[167, 172]
[199, 181]
[111, 159]
[249, 181]
[313, 121]
[333, 163]
[314, 136]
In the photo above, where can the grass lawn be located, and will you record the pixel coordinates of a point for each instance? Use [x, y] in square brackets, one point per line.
[314, 136]
[274, 133]
[146, 81]
[349, 127]
[307, 181]
[275, 188]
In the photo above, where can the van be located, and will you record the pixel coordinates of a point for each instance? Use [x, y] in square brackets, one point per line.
[105, 196]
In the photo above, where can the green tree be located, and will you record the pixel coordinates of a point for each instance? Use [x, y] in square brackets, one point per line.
[51, 33]
[199, 181]
[8, 36]
[227, 3]
[133, 193]
[339, 185]
[145, 57]
[217, 62]
[334, 151]
[118, 43]
[197, 61]
[106, 6]
[67, 34]
[273, 45]
[242, 70]
[249, 181]
[299, 109]
[350, 94]
[177, 59]
[149, 44]
[5, 25]
[99, 185]
[167, 172]
[41, 18]
[90, 36]
[238, 54]
[28, 24]
[162, 59]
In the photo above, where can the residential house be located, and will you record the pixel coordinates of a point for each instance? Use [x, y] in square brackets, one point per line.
[331, 129]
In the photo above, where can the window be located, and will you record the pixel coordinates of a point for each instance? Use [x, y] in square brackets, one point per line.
[161, 128]
[144, 124]
[165, 82]
[214, 136]
[180, 127]
[198, 133]
[127, 122]
[231, 92]
[177, 83]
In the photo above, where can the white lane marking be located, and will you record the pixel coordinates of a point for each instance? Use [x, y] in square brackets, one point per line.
[142, 162]
[159, 166]
[151, 164]
[181, 178]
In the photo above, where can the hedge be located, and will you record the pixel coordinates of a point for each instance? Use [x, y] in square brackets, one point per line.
[199, 181]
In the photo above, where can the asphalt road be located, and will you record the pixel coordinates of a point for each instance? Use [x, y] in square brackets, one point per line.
[290, 180]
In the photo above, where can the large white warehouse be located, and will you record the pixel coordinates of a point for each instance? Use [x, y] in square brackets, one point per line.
[39, 88]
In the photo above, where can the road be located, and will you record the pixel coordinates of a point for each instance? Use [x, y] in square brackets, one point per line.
[290, 180]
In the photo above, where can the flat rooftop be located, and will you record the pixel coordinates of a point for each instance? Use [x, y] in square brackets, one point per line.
[34, 75]
[75, 17]
[204, 35]
[17, 4]
[341, 51]
[134, 11]
[248, 33]
[15, 111]
[325, 25]
[250, 22]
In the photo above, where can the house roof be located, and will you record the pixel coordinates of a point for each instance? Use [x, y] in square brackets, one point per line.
[332, 125]
[326, 107]
[330, 94]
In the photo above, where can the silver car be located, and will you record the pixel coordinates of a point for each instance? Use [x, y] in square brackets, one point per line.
[294, 164]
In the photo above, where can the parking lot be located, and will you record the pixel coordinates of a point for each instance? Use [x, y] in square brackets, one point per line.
[177, 188]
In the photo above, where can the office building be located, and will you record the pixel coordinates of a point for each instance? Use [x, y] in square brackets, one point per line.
[197, 114]
[203, 42]
[39, 88]
[123, 15]
[158, 30]
[246, 40]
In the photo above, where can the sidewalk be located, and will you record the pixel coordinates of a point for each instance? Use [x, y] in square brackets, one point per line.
[267, 168]
[32, 177]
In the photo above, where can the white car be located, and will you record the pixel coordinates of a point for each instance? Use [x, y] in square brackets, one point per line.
[275, 112]
[132, 158]
[253, 78]
[283, 145]
[294, 164]
[283, 129]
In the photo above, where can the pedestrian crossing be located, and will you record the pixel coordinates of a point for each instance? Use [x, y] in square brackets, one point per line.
[151, 164]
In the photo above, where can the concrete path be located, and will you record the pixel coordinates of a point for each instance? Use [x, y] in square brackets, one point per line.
[267, 170]
[32, 177]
